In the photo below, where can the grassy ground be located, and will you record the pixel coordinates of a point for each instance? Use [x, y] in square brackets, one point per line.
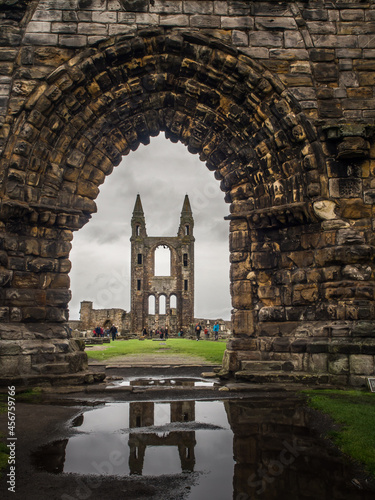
[354, 411]
[209, 351]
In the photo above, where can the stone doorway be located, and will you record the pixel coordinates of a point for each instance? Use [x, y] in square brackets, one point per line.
[302, 259]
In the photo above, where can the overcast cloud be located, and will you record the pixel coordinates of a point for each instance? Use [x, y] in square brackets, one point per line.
[162, 173]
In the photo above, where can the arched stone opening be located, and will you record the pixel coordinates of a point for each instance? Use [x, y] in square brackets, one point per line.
[151, 305]
[162, 260]
[248, 129]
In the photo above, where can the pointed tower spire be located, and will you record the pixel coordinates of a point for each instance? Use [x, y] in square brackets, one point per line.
[138, 221]
[186, 219]
[138, 209]
[186, 208]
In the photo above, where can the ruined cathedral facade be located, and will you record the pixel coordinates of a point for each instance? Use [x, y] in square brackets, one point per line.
[171, 297]
[156, 301]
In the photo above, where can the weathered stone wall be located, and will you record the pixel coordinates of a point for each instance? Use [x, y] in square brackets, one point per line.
[90, 318]
[276, 98]
[322, 51]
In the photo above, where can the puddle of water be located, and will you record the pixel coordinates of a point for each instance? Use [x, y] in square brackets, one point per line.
[164, 382]
[240, 450]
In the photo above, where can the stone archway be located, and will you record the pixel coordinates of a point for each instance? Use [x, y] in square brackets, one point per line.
[290, 246]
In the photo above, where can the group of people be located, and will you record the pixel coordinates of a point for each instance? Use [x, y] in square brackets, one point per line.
[163, 333]
[101, 332]
[215, 329]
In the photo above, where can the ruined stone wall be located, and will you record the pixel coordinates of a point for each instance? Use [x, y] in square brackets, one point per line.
[91, 318]
[276, 98]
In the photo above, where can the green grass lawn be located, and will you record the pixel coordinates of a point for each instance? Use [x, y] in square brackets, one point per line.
[209, 351]
[355, 412]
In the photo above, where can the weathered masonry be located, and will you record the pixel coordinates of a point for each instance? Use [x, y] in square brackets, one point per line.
[146, 285]
[277, 98]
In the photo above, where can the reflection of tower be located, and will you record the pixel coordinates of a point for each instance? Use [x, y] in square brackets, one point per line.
[184, 411]
[179, 286]
[141, 414]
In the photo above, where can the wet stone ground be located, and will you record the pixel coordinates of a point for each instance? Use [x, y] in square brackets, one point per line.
[174, 436]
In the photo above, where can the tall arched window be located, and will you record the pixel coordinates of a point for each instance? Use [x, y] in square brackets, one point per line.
[173, 302]
[162, 304]
[162, 261]
[151, 304]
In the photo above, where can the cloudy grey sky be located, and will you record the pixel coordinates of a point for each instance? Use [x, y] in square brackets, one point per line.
[162, 173]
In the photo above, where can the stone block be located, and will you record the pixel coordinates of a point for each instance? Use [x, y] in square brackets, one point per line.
[48, 15]
[318, 347]
[34, 314]
[165, 7]
[71, 41]
[242, 294]
[363, 329]
[330, 109]
[281, 345]
[242, 344]
[338, 364]
[202, 21]
[361, 364]
[358, 381]
[41, 39]
[231, 362]
[174, 20]
[335, 41]
[318, 363]
[240, 38]
[325, 72]
[239, 241]
[237, 22]
[9, 365]
[322, 28]
[275, 23]
[293, 40]
[272, 314]
[198, 7]
[266, 39]
[304, 294]
[316, 14]
[141, 5]
[299, 345]
[243, 322]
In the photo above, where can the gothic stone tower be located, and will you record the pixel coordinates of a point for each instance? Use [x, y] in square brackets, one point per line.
[145, 284]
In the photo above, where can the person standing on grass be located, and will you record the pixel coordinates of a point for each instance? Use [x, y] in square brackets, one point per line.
[113, 331]
[166, 331]
[198, 330]
[216, 330]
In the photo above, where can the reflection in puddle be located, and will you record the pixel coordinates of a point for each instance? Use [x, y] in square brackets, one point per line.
[240, 450]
